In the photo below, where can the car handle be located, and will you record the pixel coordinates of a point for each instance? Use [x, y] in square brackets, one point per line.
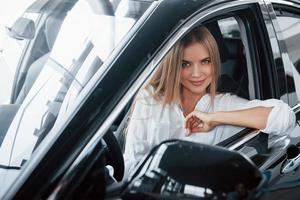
[291, 165]
[293, 160]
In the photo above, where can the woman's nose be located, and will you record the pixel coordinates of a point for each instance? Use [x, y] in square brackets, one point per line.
[196, 71]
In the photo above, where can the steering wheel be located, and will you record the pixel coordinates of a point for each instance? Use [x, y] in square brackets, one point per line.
[114, 155]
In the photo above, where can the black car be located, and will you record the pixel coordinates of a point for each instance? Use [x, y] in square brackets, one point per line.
[67, 137]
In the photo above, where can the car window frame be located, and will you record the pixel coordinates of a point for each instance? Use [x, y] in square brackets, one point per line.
[246, 134]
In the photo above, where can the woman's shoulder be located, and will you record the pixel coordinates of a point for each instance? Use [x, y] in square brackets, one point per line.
[220, 97]
[227, 101]
[145, 105]
[145, 96]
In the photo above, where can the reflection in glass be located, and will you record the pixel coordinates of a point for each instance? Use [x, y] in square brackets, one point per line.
[85, 40]
[290, 29]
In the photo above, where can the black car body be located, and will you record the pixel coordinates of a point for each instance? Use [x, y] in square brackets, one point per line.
[259, 49]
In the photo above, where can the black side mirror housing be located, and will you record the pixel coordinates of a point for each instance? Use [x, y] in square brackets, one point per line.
[185, 169]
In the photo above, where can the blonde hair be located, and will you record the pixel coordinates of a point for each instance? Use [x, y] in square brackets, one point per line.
[166, 80]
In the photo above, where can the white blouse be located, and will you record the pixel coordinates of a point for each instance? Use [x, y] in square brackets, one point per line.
[151, 122]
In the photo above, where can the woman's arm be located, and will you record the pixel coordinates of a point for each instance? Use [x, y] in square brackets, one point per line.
[256, 117]
[270, 116]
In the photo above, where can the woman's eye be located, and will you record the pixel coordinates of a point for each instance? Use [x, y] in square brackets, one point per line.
[184, 64]
[205, 62]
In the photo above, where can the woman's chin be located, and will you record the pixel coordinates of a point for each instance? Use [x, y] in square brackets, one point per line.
[198, 91]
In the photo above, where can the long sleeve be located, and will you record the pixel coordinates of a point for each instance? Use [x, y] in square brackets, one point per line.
[280, 119]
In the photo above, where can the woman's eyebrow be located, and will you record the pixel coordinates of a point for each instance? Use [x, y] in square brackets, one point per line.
[207, 58]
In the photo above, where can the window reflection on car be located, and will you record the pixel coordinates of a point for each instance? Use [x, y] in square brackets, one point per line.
[86, 39]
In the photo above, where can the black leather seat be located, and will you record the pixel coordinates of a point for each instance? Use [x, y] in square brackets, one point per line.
[233, 73]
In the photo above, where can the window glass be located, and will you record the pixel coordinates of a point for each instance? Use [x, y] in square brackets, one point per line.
[87, 37]
[229, 28]
[13, 50]
[289, 25]
[10, 52]
[10, 49]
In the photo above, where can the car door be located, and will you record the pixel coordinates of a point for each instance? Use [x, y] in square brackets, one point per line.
[285, 18]
[272, 154]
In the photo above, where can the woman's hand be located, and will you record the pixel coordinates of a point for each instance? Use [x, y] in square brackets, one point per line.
[198, 121]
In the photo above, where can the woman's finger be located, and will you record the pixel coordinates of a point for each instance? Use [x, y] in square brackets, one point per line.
[190, 121]
[196, 122]
[188, 118]
[187, 123]
[197, 129]
[188, 127]
[201, 124]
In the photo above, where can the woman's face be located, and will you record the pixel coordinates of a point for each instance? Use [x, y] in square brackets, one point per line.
[196, 72]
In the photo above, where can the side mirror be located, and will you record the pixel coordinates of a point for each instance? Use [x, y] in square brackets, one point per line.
[23, 28]
[183, 169]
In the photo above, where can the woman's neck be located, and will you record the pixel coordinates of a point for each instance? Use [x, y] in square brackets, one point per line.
[189, 101]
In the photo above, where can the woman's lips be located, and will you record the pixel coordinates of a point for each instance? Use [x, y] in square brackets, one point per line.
[197, 83]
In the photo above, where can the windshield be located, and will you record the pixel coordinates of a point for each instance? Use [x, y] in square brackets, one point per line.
[86, 39]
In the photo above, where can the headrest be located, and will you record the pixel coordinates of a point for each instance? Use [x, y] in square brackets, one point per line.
[214, 29]
[235, 47]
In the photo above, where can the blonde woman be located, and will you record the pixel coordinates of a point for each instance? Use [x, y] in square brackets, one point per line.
[180, 102]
